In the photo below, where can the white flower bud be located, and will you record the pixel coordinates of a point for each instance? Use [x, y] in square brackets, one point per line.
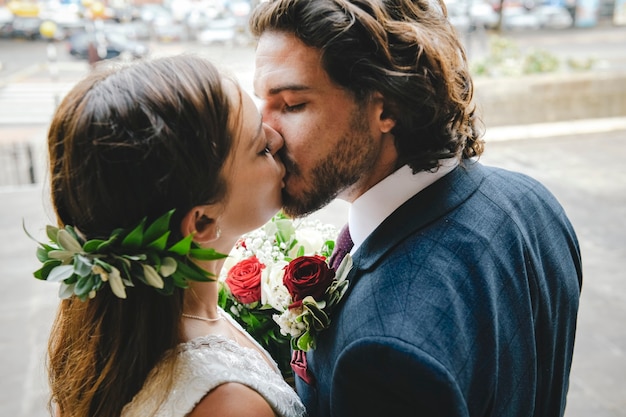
[115, 281]
[152, 276]
[97, 269]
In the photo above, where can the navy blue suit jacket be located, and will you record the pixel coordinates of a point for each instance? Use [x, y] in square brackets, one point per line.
[463, 302]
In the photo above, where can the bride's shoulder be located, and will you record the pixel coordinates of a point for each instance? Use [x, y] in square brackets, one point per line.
[211, 372]
[232, 400]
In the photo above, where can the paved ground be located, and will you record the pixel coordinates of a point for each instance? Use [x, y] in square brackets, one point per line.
[582, 163]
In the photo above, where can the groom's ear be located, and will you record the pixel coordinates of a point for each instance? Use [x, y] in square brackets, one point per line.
[384, 112]
[201, 221]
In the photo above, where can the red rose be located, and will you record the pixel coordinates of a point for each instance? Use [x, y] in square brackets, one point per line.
[307, 275]
[244, 280]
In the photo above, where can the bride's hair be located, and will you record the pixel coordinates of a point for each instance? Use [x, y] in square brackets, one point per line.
[129, 142]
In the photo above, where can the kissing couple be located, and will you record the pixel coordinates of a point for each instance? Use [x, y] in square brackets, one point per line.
[465, 280]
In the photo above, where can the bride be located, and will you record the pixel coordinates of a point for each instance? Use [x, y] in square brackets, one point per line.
[169, 135]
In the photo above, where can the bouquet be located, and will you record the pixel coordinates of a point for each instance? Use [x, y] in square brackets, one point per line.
[277, 284]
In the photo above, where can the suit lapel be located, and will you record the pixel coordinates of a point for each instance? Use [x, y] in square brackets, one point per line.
[420, 210]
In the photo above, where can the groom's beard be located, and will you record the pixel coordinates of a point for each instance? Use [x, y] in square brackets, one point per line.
[353, 156]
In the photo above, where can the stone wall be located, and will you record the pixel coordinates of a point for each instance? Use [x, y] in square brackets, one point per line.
[546, 98]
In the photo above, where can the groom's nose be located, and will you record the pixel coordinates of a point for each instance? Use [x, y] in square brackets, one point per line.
[276, 140]
[269, 117]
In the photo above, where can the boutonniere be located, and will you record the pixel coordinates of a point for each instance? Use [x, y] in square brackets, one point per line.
[315, 289]
[277, 284]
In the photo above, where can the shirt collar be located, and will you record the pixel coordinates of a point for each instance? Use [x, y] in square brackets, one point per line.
[369, 210]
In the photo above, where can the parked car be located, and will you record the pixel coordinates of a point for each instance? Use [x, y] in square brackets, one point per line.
[134, 30]
[468, 15]
[26, 27]
[6, 22]
[218, 31]
[67, 19]
[108, 45]
[518, 18]
[553, 17]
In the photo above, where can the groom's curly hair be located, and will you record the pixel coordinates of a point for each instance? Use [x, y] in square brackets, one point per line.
[404, 49]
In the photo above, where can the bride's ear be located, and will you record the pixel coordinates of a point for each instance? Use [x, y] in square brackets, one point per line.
[201, 221]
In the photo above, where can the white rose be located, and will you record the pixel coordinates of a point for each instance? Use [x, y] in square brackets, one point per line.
[273, 292]
[311, 239]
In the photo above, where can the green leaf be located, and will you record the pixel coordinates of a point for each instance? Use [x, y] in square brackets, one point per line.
[327, 248]
[157, 229]
[134, 239]
[222, 297]
[183, 246]
[62, 255]
[206, 254]
[179, 279]
[168, 287]
[42, 255]
[48, 266]
[107, 267]
[250, 320]
[305, 342]
[160, 243]
[72, 231]
[66, 290]
[60, 273]
[285, 229]
[344, 268]
[68, 242]
[84, 285]
[92, 245]
[194, 273]
[112, 239]
[82, 266]
[52, 233]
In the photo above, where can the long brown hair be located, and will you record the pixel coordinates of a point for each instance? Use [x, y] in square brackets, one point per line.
[406, 50]
[126, 143]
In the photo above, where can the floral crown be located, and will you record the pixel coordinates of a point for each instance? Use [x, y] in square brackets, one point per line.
[85, 266]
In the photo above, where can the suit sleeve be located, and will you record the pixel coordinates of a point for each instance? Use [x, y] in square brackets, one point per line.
[385, 376]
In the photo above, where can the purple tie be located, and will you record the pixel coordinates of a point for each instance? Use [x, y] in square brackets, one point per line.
[342, 248]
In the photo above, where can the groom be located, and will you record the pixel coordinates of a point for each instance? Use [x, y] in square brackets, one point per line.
[466, 280]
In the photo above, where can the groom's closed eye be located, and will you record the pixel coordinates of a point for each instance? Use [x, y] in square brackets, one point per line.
[294, 108]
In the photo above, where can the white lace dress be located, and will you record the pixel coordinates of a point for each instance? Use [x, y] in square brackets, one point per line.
[203, 364]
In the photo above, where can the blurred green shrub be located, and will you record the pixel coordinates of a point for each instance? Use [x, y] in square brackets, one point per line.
[505, 59]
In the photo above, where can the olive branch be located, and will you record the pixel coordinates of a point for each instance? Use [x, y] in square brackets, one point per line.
[85, 266]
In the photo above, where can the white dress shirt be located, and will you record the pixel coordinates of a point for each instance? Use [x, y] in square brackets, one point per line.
[369, 210]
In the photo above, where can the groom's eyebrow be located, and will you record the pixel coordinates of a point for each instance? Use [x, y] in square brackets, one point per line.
[288, 87]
